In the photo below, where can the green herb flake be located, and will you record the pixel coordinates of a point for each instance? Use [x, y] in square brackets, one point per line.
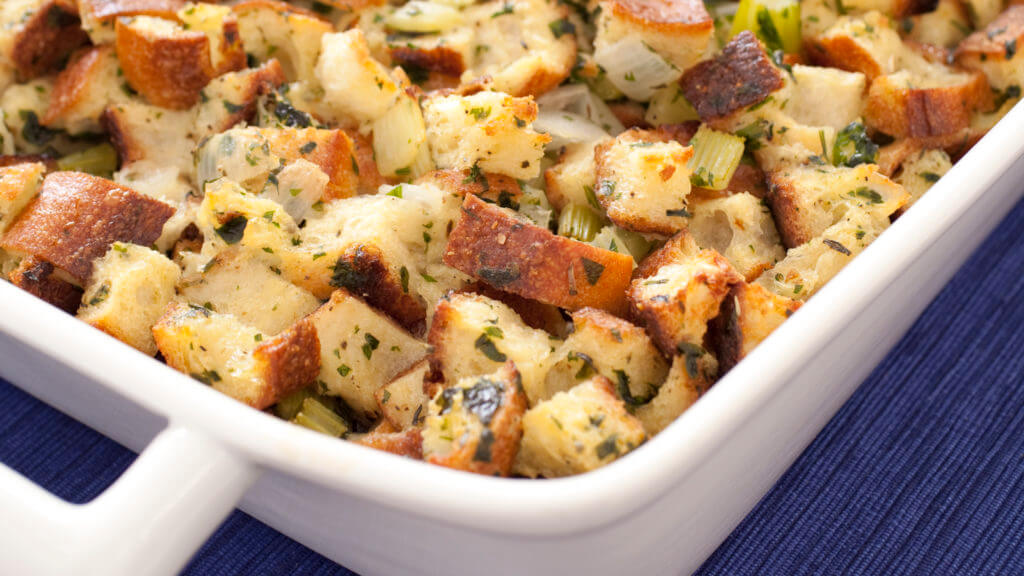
[593, 270]
[344, 370]
[403, 275]
[372, 343]
[233, 230]
[487, 347]
[608, 447]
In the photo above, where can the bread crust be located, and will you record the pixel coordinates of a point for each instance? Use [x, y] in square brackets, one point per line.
[740, 76]
[169, 70]
[46, 39]
[36, 276]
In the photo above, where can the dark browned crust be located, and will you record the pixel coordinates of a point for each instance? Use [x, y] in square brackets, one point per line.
[505, 426]
[499, 189]
[533, 313]
[76, 217]
[332, 150]
[440, 59]
[927, 114]
[47, 38]
[369, 176]
[36, 277]
[231, 48]
[369, 277]
[678, 248]
[288, 362]
[844, 53]
[407, 443]
[491, 245]
[74, 82]
[741, 76]
[1006, 30]
[14, 159]
[121, 138]
[664, 16]
[169, 71]
[726, 337]
[191, 240]
[106, 10]
[629, 114]
[784, 201]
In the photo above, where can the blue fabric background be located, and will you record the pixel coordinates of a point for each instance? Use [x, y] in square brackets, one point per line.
[921, 472]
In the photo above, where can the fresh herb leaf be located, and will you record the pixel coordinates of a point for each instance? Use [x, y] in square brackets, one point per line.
[233, 230]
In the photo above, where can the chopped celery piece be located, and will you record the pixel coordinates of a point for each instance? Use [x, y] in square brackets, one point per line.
[578, 222]
[317, 416]
[289, 406]
[715, 158]
[100, 160]
[669, 106]
[623, 241]
[775, 22]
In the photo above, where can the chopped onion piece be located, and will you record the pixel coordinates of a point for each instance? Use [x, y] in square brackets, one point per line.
[422, 17]
[578, 99]
[398, 136]
[669, 106]
[566, 128]
[636, 69]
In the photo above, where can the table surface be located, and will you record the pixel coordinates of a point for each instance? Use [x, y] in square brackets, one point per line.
[921, 472]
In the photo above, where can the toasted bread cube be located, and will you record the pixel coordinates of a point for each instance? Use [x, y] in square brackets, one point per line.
[221, 351]
[37, 277]
[533, 313]
[748, 315]
[678, 290]
[994, 50]
[128, 292]
[577, 431]
[494, 246]
[356, 84]
[677, 30]
[230, 217]
[476, 423]
[739, 227]
[866, 44]
[642, 182]
[844, 92]
[99, 16]
[407, 443]
[807, 268]
[76, 217]
[84, 89]
[276, 29]
[530, 47]
[240, 283]
[403, 401]
[220, 26]
[571, 180]
[164, 62]
[19, 184]
[43, 33]
[231, 98]
[504, 191]
[488, 131]
[361, 350]
[22, 107]
[808, 199]
[984, 12]
[474, 335]
[922, 170]
[689, 378]
[142, 132]
[740, 76]
[945, 26]
[613, 348]
[935, 106]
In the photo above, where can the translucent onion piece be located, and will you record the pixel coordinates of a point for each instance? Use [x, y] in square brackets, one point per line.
[422, 17]
[398, 136]
[636, 69]
[566, 128]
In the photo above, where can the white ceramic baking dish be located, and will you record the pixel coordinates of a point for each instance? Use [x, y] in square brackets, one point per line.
[661, 510]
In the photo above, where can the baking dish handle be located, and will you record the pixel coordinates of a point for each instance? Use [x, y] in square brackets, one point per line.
[150, 521]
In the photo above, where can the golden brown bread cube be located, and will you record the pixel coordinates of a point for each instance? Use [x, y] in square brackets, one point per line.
[48, 33]
[234, 358]
[99, 16]
[994, 50]
[740, 76]
[689, 378]
[678, 290]
[19, 184]
[37, 277]
[577, 431]
[407, 443]
[280, 30]
[476, 423]
[866, 44]
[492, 245]
[500, 189]
[403, 401]
[678, 30]
[747, 316]
[739, 227]
[76, 218]
[933, 108]
[83, 90]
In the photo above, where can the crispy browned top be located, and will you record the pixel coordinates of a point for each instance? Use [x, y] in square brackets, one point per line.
[108, 9]
[36, 277]
[742, 75]
[498, 188]
[493, 246]
[168, 70]
[290, 361]
[999, 39]
[442, 59]
[74, 82]
[664, 15]
[47, 38]
[408, 443]
[76, 218]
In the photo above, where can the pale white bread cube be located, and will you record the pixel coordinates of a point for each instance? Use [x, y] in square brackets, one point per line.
[276, 30]
[748, 315]
[242, 284]
[488, 130]
[808, 199]
[689, 378]
[475, 424]
[921, 171]
[642, 181]
[236, 359]
[474, 335]
[826, 96]
[612, 347]
[868, 44]
[84, 89]
[945, 26]
[994, 50]
[228, 216]
[403, 401]
[807, 268]
[361, 350]
[577, 431]
[571, 180]
[355, 84]
[128, 292]
[739, 227]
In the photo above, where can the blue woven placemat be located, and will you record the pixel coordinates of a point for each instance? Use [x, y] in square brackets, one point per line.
[921, 472]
